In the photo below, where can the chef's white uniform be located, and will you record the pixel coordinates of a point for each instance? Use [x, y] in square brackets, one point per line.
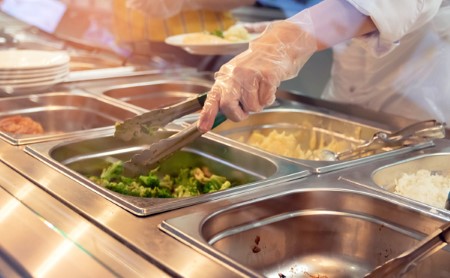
[403, 69]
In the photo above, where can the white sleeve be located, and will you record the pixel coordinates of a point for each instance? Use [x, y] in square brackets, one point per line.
[396, 18]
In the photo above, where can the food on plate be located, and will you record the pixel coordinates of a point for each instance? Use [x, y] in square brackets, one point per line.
[236, 33]
[288, 144]
[187, 182]
[424, 186]
[203, 38]
[20, 125]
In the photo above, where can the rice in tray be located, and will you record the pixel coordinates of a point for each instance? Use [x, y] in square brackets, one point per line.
[424, 186]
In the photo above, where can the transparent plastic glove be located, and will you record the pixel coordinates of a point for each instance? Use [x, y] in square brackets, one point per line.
[249, 81]
[256, 27]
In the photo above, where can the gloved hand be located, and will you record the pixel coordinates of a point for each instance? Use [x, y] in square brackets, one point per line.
[256, 27]
[249, 81]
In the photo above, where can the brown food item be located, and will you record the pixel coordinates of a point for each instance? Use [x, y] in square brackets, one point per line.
[20, 125]
[256, 249]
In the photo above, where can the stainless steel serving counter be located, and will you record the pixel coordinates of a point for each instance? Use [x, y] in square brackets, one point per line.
[131, 246]
[90, 228]
[41, 237]
[298, 216]
[118, 243]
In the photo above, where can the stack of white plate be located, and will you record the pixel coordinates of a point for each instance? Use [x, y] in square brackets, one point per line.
[32, 70]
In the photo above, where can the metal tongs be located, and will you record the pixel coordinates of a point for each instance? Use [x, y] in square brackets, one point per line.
[412, 134]
[150, 122]
[400, 265]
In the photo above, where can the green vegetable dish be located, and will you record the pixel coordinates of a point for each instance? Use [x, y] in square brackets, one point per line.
[187, 183]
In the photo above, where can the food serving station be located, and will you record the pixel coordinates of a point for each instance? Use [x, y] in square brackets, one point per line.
[284, 215]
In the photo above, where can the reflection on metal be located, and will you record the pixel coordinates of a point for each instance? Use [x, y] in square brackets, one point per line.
[9, 208]
[33, 222]
[54, 257]
[330, 232]
[27, 234]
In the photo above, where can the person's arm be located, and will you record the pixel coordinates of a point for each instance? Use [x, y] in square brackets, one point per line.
[249, 81]
[336, 21]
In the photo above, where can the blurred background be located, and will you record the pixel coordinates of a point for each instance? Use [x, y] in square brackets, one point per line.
[94, 23]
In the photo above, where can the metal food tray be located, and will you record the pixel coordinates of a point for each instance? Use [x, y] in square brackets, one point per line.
[80, 158]
[380, 175]
[313, 127]
[314, 227]
[63, 114]
[159, 92]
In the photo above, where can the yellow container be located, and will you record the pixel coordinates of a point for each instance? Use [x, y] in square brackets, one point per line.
[132, 25]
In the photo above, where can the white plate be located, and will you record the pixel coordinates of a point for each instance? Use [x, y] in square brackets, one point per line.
[227, 48]
[11, 75]
[32, 59]
[20, 81]
[30, 87]
[19, 71]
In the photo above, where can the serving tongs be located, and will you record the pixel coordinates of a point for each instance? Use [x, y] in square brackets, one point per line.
[409, 135]
[406, 261]
[149, 123]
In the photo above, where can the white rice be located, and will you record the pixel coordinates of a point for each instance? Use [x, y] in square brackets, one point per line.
[425, 187]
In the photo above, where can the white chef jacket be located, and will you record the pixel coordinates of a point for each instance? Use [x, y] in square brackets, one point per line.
[404, 68]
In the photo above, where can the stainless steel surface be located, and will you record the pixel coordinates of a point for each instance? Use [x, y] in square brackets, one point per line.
[88, 61]
[97, 85]
[41, 237]
[81, 158]
[314, 130]
[402, 264]
[140, 234]
[323, 229]
[391, 121]
[381, 176]
[63, 114]
[412, 134]
[132, 245]
[151, 121]
[158, 94]
[66, 253]
[386, 175]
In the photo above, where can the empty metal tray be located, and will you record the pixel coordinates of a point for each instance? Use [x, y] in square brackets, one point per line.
[159, 93]
[325, 231]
